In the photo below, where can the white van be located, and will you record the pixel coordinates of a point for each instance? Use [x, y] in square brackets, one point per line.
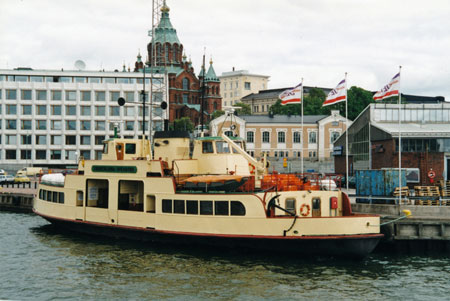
[29, 171]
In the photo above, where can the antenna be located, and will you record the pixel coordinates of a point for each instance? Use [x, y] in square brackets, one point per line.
[80, 65]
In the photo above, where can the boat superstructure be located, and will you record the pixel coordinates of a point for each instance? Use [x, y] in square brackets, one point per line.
[208, 191]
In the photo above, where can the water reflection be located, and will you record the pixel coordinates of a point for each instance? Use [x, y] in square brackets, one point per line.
[64, 265]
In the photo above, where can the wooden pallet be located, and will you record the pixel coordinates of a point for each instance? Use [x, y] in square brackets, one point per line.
[403, 191]
[427, 191]
[445, 192]
[445, 184]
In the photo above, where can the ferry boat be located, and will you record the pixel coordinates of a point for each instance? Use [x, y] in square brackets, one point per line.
[206, 191]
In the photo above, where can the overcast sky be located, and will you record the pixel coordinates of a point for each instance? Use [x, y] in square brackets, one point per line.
[318, 40]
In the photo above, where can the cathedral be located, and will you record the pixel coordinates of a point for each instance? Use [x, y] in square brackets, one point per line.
[185, 87]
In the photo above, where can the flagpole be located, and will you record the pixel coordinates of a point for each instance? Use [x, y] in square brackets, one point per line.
[346, 132]
[301, 135]
[399, 137]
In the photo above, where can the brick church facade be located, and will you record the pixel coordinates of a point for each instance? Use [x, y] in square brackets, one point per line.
[184, 86]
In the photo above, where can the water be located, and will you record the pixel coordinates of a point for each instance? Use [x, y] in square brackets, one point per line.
[38, 262]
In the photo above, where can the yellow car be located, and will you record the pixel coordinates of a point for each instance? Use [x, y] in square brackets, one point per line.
[21, 179]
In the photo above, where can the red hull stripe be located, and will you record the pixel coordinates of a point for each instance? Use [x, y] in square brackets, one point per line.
[332, 237]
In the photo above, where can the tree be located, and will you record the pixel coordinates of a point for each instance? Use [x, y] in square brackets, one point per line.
[217, 113]
[245, 109]
[183, 124]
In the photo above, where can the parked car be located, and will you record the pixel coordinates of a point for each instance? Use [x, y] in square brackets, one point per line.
[21, 179]
[2, 172]
[6, 179]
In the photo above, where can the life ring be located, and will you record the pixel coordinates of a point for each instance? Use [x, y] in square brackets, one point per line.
[252, 168]
[307, 209]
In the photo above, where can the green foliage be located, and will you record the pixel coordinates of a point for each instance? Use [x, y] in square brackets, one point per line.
[183, 124]
[245, 108]
[358, 100]
[217, 113]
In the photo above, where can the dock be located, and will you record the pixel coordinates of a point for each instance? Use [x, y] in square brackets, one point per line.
[18, 197]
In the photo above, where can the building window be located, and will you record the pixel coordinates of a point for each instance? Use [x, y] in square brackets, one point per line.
[41, 155]
[297, 138]
[129, 96]
[85, 140]
[11, 154]
[129, 125]
[26, 110]
[41, 124]
[41, 139]
[55, 125]
[11, 124]
[129, 111]
[11, 94]
[25, 154]
[99, 140]
[56, 95]
[94, 80]
[247, 86]
[26, 125]
[334, 136]
[55, 154]
[25, 139]
[312, 137]
[250, 137]
[11, 140]
[85, 111]
[41, 110]
[281, 137]
[266, 137]
[56, 110]
[85, 95]
[55, 139]
[99, 125]
[71, 140]
[99, 95]
[11, 110]
[71, 125]
[100, 111]
[185, 98]
[26, 95]
[70, 155]
[185, 83]
[114, 111]
[71, 95]
[85, 125]
[71, 110]
[114, 96]
[312, 154]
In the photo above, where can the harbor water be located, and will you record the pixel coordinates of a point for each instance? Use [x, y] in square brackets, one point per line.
[38, 262]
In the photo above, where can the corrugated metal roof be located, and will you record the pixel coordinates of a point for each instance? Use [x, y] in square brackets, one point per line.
[414, 129]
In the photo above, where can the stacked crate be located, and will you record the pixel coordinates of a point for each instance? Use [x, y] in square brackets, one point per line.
[403, 192]
[445, 192]
[424, 191]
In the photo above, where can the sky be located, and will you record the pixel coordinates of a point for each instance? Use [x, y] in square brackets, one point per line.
[317, 40]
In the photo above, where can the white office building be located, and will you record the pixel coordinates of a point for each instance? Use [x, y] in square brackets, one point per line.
[51, 118]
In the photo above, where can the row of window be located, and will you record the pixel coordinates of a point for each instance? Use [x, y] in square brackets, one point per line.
[221, 208]
[75, 79]
[72, 95]
[25, 154]
[296, 137]
[70, 125]
[284, 154]
[54, 139]
[51, 196]
[414, 115]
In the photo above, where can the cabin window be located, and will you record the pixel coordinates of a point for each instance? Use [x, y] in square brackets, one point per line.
[150, 203]
[97, 193]
[61, 198]
[206, 207]
[237, 208]
[207, 147]
[178, 206]
[79, 198]
[105, 148]
[41, 194]
[222, 147]
[167, 206]
[192, 207]
[130, 148]
[316, 212]
[290, 205]
[55, 197]
[221, 208]
[131, 195]
[49, 196]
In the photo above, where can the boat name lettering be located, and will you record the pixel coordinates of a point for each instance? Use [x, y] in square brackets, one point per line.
[113, 168]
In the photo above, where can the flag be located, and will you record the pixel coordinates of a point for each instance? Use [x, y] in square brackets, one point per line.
[336, 95]
[390, 89]
[293, 95]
